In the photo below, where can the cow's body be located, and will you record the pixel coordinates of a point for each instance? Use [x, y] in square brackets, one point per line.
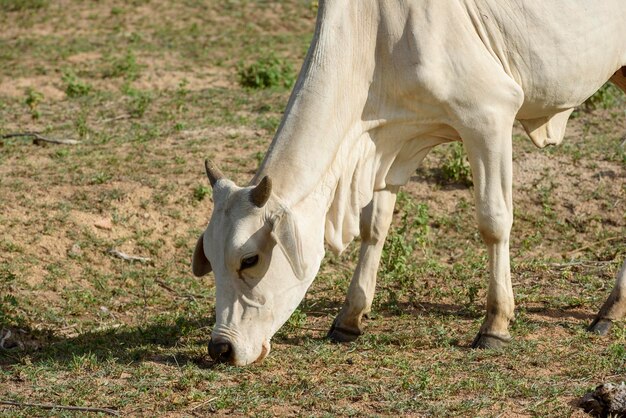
[383, 83]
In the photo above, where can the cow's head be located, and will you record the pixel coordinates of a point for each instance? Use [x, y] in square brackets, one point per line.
[253, 246]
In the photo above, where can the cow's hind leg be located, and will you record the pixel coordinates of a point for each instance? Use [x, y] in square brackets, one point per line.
[614, 308]
[375, 220]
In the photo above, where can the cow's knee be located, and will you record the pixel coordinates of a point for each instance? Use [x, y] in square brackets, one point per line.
[375, 220]
[494, 225]
[370, 233]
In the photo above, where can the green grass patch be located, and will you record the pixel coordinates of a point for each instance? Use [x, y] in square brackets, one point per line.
[22, 5]
[266, 72]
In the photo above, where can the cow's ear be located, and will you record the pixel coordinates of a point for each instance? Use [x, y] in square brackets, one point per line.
[200, 264]
[285, 233]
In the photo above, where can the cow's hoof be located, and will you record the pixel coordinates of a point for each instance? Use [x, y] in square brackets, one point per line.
[487, 341]
[342, 335]
[600, 326]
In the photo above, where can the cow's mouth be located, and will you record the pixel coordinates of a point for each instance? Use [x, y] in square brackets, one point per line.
[265, 350]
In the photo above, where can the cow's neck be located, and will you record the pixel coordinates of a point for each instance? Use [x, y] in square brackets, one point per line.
[326, 105]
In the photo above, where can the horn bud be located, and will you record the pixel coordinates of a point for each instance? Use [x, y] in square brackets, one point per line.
[212, 172]
[261, 193]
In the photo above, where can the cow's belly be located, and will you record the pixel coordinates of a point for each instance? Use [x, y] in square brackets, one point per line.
[560, 52]
[557, 90]
[550, 97]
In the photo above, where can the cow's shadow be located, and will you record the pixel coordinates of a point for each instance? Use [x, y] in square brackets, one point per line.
[164, 342]
[122, 345]
[324, 310]
[168, 342]
[426, 311]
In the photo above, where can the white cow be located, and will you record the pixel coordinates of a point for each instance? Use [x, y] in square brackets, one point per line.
[383, 83]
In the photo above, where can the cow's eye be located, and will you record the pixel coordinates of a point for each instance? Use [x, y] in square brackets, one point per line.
[248, 262]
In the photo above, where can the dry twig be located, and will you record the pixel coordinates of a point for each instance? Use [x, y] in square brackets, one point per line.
[115, 118]
[582, 263]
[201, 404]
[52, 406]
[38, 137]
[187, 295]
[586, 247]
[165, 286]
[128, 257]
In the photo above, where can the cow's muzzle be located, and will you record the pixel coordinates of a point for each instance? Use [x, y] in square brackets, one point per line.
[220, 350]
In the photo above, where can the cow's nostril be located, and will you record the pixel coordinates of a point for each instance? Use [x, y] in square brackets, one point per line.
[220, 350]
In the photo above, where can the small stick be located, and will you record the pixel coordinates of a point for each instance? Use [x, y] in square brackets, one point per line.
[584, 263]
[200, 405]
[165, 286]
[39, 137]
[52, 406]
[127, 257]
[586, 247]
[120, 117]
[187, 295]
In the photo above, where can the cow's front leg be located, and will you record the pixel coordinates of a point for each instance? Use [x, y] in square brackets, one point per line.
[614, 308]
[375, 220]
[490, 157]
